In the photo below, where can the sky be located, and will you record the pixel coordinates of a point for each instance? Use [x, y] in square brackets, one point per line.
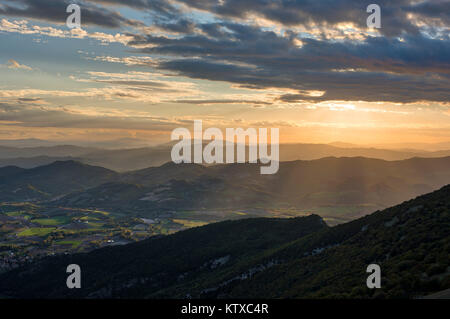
[138, 69]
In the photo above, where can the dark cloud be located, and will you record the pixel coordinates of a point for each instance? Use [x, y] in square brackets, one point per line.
[55, 11]
[30, 100]
[160, 8]
[438, 9]
[328, 12]
[353, 86]
[385, 68]
[254, 46]
[181, 26]
[376, 69]
[395, 20]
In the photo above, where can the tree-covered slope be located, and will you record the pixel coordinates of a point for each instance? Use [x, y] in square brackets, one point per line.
[136, 270]
[264, 258]
[411, 243]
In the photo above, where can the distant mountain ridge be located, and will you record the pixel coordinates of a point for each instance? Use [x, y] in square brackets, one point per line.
[10, 170]
[33, 162]
[45, 182]
[8, 152]
[131, 159]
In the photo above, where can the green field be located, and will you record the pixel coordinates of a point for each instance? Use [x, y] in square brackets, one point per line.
[18, 214]
[54, 221]
[36, 231]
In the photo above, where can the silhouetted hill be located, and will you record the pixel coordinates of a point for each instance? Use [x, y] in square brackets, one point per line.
[142, 158]
[130, 159]
[264, 258]
[52, 180]
[32, 162]
[10, 170]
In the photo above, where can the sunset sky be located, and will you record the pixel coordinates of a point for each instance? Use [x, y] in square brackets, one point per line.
[140, 68]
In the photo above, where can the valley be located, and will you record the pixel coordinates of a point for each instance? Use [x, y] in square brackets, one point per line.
[69, 207]
[29, 232]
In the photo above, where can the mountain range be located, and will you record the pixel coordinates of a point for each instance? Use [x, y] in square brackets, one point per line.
[127, 159]
[301, 184]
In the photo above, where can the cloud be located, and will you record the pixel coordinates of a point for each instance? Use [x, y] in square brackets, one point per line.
[145, 86]
[222, 101]
[131, 86]
[347, 86]
[13, 64]
[111, 93]
[55, 11]
[129, 61]
[160, 8]
[376, 69]
[398, 16]
[35, 101]
[63, 117]
[23, 27]
[35, 116]
[281, 45]
[253, 46]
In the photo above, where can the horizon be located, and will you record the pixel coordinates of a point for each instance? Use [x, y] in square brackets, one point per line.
[122, 143]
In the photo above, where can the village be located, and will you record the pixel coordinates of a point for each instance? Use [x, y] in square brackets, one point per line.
[29, 232]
